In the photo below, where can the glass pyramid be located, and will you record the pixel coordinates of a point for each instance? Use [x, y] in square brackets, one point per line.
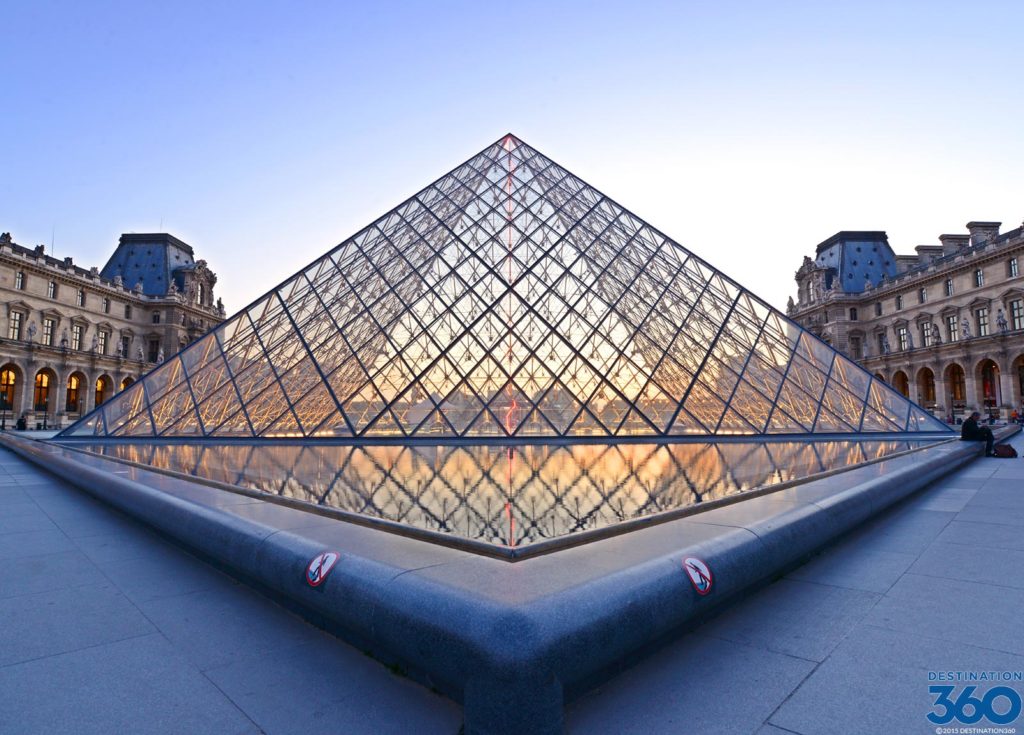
[508, 298]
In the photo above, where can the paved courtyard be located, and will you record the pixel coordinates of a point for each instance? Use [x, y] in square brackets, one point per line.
[107, 628]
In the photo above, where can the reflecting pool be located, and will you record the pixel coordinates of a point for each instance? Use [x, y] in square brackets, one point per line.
[508, 496]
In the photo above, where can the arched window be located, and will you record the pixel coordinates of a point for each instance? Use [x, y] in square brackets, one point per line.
[102, 389]
[957, 384]
[127, 382]
[41, 395]
[74, 385]
[7, 383]
[926, 387]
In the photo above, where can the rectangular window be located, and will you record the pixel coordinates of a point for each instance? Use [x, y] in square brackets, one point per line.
[19, 281]
[878, 309]
[881, 344]
[899, 302]
[901, 338]
[853, 314]
[48, 325]
[156, 317]
[1011, 268]
[51, 290]
[982, 315]
[127, 311]
[949, 287]
[15, 330]
[76, 336]
[154, 350]
[126, 344]
[101, 342]
[1017, 314]
[922, 295]
[952, 328]
[106, 306]
[979, 278]
[81, 297]
[926, 334]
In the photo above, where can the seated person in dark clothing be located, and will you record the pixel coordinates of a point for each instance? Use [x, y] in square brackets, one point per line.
[971, 432]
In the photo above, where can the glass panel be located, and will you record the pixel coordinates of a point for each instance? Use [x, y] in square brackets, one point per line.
[123, 407]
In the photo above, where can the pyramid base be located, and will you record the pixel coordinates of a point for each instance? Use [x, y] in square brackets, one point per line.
[511, 642]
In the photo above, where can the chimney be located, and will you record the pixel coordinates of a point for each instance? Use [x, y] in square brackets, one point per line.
[953, 243]
[983, 232]
[927, 253]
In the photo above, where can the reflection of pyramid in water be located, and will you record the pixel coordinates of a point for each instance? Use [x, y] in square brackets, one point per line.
[508, 298]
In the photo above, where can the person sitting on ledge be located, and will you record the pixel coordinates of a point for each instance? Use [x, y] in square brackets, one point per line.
[971, 432]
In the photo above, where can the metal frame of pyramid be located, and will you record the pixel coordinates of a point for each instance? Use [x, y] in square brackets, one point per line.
[507, 300]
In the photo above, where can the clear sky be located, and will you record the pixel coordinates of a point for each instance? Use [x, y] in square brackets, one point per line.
[265, 133]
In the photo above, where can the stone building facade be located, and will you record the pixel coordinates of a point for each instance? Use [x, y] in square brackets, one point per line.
[72, 337]
[944, 326]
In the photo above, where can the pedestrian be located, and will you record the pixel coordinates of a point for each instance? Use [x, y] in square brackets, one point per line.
[971, 432]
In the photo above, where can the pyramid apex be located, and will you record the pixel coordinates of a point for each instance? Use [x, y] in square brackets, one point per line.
[509, 141]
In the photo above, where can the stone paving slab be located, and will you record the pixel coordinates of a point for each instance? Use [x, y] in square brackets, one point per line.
[854, 568]
[877, 682]
[990, 535]
[267, 692]
[795, 618]
[696, 685]
[137, 686]
[30, 574]
[47, 623]
[943, 570]
[106, 628]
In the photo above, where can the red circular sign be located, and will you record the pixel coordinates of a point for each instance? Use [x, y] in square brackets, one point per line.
[699, 574]
[320, 566]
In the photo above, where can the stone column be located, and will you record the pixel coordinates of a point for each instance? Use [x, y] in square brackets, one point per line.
[58, 398]
[943, 406]
[1006, 396]
[27, 389]
[971, 384]
[89, 399]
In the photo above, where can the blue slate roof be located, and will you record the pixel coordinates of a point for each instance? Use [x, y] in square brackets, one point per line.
[856, 257]
[153, 258]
